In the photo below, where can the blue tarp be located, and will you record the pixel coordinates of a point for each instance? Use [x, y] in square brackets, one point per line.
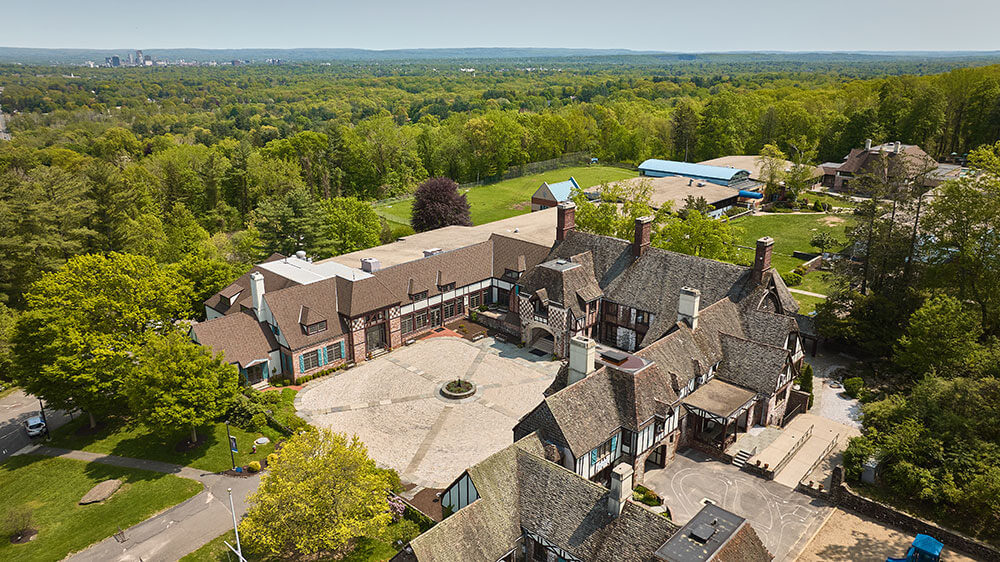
[751, 194]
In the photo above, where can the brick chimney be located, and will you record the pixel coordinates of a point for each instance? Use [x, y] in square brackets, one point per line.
[868, 144]
[688, 306]
[621, 488]
[582, 355]
[762, 259]
[643, 234]
[566, 219]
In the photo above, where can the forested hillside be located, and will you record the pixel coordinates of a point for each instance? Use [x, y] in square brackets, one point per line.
[225, 165]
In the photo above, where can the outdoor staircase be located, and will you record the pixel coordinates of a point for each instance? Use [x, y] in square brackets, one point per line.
[741, 458]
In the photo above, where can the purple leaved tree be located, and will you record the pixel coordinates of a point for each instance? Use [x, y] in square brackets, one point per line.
[438, 203]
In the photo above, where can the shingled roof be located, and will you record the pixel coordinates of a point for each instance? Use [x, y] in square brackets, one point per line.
[303, 305]
[240, 337]
[518, 489]
[220, 302]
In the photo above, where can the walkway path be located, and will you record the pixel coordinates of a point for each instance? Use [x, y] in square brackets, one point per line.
[175, 532]
[808, 293]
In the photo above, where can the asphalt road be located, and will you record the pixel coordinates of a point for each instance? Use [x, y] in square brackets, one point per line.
[16, 408]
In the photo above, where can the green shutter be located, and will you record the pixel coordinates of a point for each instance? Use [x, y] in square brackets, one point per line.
[302, 364]
[341, 349]
[322, 356]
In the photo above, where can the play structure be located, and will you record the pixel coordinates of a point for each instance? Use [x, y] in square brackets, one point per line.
[925, 548]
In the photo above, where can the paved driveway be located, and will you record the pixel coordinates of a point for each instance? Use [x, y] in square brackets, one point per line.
[784, 518]
[14, 409]
[393, 404]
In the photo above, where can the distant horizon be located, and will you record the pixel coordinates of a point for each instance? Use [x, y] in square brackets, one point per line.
[671, 26]
[529, 47]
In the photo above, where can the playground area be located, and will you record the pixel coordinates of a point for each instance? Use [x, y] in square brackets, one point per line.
[850, 537]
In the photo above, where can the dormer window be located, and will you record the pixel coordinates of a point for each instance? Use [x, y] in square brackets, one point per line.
[511, 275]
[315, 328]
[446, 287]
[418, 296]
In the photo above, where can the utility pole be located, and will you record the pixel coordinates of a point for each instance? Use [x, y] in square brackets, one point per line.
[231, 444]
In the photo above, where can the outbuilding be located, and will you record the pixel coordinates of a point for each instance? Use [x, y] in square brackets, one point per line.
[550, 195]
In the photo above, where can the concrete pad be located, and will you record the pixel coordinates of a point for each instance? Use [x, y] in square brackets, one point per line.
[101, 491]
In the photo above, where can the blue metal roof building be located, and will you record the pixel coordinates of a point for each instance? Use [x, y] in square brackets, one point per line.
[551, 194]
[655, 168]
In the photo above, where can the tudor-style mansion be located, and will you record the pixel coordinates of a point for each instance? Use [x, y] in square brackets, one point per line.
[663, 349]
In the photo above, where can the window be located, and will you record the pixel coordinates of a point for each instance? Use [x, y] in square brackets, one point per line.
[406, 325]
[310, 360]
[449, 309]
[418, 296]
[460, 305]
[420, 320]
[641, 317]
[511, 275]
[446, 287]
[316, 328]
[474, 300]
[333, 351]
[503, 298]
[604, 451]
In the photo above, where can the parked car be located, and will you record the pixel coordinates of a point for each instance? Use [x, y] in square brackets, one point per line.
[34, 426]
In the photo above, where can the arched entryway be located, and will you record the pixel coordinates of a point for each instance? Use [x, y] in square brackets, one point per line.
[542, 339]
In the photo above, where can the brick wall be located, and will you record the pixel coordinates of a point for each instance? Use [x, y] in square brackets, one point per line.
[296, 364]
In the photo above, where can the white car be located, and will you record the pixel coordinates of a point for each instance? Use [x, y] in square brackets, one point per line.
[34, 426]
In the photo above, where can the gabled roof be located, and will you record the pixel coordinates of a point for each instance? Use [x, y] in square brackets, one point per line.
[519, 489]
[515, 254]
[239, 337]
[559, 191]
[690, 170]
[272, 282]
[303, 305]
[752, 365]
[569, 283]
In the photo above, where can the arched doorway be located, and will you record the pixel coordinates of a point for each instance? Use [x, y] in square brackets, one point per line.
[541, 339]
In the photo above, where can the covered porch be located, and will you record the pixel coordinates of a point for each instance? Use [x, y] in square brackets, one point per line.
[718, 412]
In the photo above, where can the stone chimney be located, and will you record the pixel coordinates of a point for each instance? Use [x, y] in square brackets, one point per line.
[762, 259]
[643, 234]
[621, 488]
[868, 144]
[688, 306]
[565, 220]
[256, 292]
[582, 354]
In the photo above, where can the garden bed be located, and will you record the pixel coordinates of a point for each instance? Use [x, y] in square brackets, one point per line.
[458, 389]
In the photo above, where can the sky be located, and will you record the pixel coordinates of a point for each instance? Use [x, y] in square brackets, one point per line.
[657, 25]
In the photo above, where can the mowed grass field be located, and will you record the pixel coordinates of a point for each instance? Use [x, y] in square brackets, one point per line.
[52, 488]
[512, 197]
[791, 233]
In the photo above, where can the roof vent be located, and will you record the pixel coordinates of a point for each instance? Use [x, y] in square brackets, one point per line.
[371, 265]
[432, 251]
[701, 533]
[561, 262]
[301, 254]
[701, 184]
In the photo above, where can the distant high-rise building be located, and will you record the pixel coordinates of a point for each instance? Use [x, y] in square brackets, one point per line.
[115, 60]
[138, 57]
[131, 60]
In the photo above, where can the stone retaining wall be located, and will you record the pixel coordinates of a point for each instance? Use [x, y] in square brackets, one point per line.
[843, 496]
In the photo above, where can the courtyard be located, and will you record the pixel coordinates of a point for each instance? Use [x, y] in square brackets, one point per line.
[394, 405]
[784, 518]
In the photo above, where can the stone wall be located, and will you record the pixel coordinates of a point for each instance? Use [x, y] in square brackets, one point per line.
[843, 496]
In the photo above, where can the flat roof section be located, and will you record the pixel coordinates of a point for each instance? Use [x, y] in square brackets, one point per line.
[719, 397]
[538, 227]
[305, 272]
[675, 189]
[702, 536]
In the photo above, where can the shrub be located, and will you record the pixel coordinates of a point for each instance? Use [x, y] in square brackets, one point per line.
[827, 207]
[853, 386]
[18, 521]
[644, 495]
[272, 458]
[483, 308]
[258, 421]
[254, 466]
[401, 532]
[473, 315]
[792, 279]
[242, 411]
[269, 398]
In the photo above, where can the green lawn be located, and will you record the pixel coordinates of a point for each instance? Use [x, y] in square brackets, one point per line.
[51, 487]
[825, 198]
[138, 441]
[790, 233]
[509, 198]
[216, 551]
[820, 282]
[807, 303]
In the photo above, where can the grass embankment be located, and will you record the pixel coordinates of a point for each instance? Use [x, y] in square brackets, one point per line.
[367, 550]
[134, 439]
[52, 488]
[508, 198]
